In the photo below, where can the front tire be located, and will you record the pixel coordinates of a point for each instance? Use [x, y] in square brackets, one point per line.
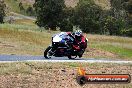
[46, 52]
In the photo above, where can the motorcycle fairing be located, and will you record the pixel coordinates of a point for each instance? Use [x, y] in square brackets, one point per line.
[63, 36]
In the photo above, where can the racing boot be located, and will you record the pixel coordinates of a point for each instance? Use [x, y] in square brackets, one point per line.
[80, 53]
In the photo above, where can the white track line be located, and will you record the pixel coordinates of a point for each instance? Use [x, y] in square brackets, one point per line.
[82, 61]
[85, 61]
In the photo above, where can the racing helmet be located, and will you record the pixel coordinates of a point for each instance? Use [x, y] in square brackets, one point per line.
[78, 34]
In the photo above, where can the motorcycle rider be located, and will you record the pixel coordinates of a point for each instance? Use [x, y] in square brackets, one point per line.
[78, 40]
[79, 43]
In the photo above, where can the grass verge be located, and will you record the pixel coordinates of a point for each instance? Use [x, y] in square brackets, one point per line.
[57, 75]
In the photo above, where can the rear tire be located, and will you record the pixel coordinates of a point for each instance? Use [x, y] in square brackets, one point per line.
[46, 52]
[70, 57]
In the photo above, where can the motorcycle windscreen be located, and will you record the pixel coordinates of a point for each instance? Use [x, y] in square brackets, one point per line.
[56, 38]
[62, 36]
[59, 37]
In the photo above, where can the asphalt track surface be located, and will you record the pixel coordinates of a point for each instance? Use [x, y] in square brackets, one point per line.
[19, 58]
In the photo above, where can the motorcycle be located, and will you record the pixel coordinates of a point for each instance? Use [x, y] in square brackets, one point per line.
[62, 46]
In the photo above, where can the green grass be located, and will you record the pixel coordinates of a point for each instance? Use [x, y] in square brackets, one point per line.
[14, 6]
[121, 46]
[25, 22]
[120, 51]
[14, 68]
[36, 74]
[23, 42]
[26, 67]
[29, 67]
[18, 27]
[23, 39]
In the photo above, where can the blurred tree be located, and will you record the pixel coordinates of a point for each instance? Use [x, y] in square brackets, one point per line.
[113, 26]
[87, 15]
[2, 10]
[113, 21]
[21, 7]
[66, 23]
[49, 13]
[30, 11]
[128, 32]
[128, 8]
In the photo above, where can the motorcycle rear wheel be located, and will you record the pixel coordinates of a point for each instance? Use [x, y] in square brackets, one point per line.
[72, 57]
[46, 52]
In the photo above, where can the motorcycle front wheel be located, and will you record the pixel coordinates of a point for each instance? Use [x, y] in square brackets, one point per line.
[47, 53]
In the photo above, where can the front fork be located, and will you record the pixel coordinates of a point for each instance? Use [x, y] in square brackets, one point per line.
[52, 52]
